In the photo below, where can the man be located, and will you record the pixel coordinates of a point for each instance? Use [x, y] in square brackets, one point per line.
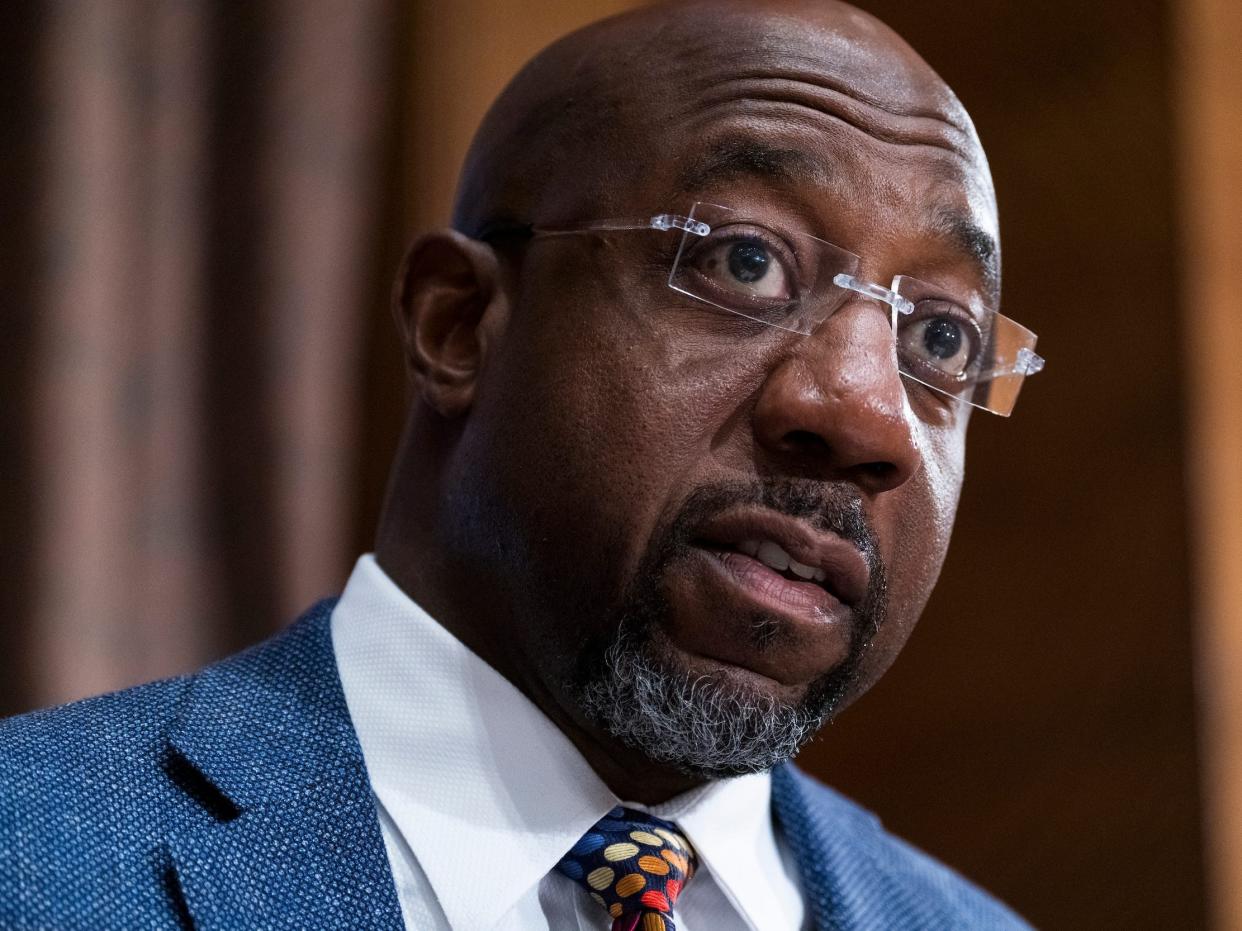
[677, 482]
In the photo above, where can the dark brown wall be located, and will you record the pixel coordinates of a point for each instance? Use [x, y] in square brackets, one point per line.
[1209, 119]
[1038, 733]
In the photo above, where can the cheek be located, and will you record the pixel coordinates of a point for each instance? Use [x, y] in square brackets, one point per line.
[922, 526]
[593, 422]
[924, 529]
[939, 486]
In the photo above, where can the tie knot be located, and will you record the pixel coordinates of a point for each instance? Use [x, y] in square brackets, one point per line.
[634, 865]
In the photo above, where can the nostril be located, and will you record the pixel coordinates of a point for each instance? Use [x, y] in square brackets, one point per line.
[882, 471]
[805, 441]
[809, 444]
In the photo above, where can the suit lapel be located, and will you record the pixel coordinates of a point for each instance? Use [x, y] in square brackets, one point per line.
[828, 840]
[313, 861]
[810, 849]
[850, 877]
[294, 842]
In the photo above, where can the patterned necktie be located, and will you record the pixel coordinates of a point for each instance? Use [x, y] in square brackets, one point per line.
[634, 865]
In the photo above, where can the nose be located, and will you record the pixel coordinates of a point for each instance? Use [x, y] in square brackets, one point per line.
[835, 407]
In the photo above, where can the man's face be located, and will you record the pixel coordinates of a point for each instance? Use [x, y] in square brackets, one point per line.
[656, 477]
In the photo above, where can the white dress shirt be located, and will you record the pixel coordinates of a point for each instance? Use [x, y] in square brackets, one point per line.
[479, 794]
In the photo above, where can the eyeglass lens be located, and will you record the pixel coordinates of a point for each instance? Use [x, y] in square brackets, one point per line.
[766, 269]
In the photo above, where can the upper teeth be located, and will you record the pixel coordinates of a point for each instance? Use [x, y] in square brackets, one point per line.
[774, 556]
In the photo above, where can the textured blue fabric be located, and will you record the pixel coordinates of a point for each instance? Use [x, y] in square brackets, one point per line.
[858, 877]
[237, 798]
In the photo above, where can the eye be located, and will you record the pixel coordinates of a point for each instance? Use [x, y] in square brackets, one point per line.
[745, 267]
[947, 342]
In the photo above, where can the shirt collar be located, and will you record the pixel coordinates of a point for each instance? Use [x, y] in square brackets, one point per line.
[731, 829]
[480, 783]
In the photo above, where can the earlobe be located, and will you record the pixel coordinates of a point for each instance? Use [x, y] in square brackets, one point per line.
[448, 287]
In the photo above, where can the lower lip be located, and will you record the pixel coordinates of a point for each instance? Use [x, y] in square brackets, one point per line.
[719, 597]
[772, 590]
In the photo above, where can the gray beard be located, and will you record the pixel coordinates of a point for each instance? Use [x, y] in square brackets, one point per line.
[700, 725]
[707, 726]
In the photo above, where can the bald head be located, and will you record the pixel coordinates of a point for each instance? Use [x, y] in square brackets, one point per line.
[600, 108]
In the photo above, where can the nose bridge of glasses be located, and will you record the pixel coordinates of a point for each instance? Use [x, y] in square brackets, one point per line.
[874, 291]
[669, 221]
[863, 349]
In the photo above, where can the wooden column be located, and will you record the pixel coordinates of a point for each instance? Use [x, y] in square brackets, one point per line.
[1210, 97]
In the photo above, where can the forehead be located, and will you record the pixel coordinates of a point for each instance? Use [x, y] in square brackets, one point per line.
[852, 193]
[840, 118]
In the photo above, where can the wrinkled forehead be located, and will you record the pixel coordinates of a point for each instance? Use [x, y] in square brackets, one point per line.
[838, 108]
[829, 43]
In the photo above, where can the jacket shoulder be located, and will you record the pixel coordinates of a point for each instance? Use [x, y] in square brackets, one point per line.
[853, 866]
[103, 728]
[96, 795]
[85, 796]
[85, 754]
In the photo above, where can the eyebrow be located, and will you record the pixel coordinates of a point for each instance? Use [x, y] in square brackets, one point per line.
[736, 158]
[970, 237]
[752, 158]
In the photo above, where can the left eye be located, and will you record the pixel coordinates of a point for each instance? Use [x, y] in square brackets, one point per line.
[944, 342]
[747, 268]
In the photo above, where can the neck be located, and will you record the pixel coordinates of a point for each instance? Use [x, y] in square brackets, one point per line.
[409, 549]
[628, 773]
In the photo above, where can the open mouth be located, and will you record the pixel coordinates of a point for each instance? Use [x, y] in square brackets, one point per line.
[804, 583]
[773, 556]
[768, 613]
[781, 552]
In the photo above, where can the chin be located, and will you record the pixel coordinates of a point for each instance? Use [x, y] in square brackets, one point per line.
[748, 683]
[700, 716]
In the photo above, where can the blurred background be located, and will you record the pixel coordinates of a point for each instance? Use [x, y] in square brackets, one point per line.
[201, 391]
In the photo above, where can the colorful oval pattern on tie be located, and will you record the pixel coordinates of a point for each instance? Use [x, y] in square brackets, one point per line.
[675, 859]
[628, 885]
[600, 878]
[669, 836]
[615, 852]
[653, 865]
[655, 899]
[635, 865]
[589, 843]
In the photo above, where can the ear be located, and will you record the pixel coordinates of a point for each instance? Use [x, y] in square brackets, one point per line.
[448, 288]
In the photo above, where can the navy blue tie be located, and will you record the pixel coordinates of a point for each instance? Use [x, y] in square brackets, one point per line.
[634, 865]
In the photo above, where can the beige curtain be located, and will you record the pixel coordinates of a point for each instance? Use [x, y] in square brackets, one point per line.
[198, 187]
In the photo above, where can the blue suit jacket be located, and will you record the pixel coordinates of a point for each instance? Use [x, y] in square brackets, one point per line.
[238, 798]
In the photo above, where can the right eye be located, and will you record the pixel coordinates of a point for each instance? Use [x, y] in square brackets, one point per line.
[746, 267]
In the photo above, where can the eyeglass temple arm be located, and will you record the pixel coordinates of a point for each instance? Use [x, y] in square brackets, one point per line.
[662, 221]
[1025, 363]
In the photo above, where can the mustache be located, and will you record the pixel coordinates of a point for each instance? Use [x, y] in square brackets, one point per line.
[835, 508]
